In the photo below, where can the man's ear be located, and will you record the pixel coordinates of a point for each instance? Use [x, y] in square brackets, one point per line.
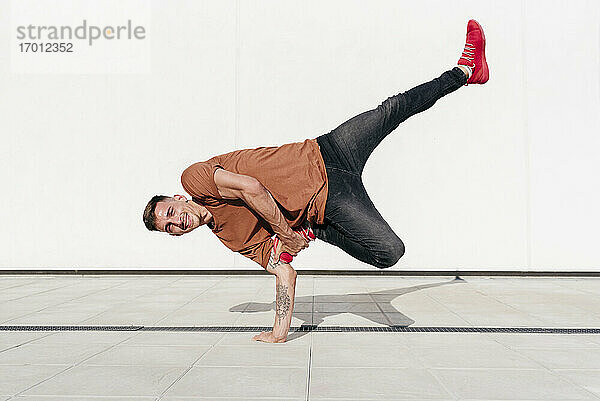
[180, 197]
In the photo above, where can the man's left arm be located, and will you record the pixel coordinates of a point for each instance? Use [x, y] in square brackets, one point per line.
[256, 196]
[285, 288]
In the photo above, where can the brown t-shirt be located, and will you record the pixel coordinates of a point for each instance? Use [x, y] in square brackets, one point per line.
[294, 174]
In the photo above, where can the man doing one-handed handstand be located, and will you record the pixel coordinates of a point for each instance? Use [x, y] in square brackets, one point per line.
[250, 197]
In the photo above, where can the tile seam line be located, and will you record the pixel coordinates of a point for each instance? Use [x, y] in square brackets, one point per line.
[449, 309]
[440, 383]
[60, 303]
[40, 292]
[541, 367]
[189, 302]
[186, 371]
[424, 367]
[510, 306]
[69, 367]
[550, 370]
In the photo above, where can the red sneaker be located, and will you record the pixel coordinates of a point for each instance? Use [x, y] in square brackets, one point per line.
[474, 54]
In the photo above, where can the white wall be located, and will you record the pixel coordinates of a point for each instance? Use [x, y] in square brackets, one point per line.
[502, 176]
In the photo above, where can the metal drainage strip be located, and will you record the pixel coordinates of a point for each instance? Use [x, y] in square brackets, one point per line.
[307, 328]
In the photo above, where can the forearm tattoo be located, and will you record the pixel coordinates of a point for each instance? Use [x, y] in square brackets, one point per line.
[282, 302]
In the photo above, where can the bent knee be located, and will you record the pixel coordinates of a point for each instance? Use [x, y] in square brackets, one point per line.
[389, 254]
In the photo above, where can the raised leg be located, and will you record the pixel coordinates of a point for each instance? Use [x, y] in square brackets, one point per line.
[351, 144]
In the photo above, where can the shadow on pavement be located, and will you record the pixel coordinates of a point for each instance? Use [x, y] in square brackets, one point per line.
[374, 306]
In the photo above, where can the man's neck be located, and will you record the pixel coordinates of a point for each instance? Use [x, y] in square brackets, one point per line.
[203, 214]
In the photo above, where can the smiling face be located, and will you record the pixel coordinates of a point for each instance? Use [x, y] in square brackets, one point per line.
[177, 216]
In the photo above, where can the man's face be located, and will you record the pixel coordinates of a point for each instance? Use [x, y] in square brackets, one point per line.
[175, 216]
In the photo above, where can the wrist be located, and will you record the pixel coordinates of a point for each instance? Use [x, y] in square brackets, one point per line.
[285, 233]
[278, 335]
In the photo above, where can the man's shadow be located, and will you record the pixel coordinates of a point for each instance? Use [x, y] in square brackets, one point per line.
[374, 306]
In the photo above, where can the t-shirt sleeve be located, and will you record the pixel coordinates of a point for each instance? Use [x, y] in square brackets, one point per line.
[259, 253]
[198, 180]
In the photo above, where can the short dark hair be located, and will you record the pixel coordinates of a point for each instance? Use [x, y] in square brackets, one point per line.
[149, 216]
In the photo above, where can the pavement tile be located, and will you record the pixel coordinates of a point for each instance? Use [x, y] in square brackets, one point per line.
[350, 307]
[151, 338]
[442, 340]
[212, 307]
[474, 356]
[350, 319]
[547, 341]
[365, 356]
[586, 378]
[67, 338]
[188, 318]
[343, 298]
[255, 355]
[171, 355]
[127, 318]
[9, 339]
[358, 339]
[380, 383]
[434, 319]
[109, 381]
[505, 384]
[572, 358]
[45, 354]
[506, 318]
[241, 382]
[16, 378]
[52, 318]
[294, 339]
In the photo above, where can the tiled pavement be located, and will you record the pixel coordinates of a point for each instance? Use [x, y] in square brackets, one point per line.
[170, 366]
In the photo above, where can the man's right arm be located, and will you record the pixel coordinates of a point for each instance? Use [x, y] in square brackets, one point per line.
[256, 196]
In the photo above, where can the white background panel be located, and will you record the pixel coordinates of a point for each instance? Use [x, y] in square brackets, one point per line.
[564, 113]
[88, 151]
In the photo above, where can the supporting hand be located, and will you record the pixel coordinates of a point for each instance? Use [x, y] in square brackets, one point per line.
[268, 337]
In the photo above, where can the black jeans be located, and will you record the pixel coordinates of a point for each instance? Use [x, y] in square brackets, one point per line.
[352, 222]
